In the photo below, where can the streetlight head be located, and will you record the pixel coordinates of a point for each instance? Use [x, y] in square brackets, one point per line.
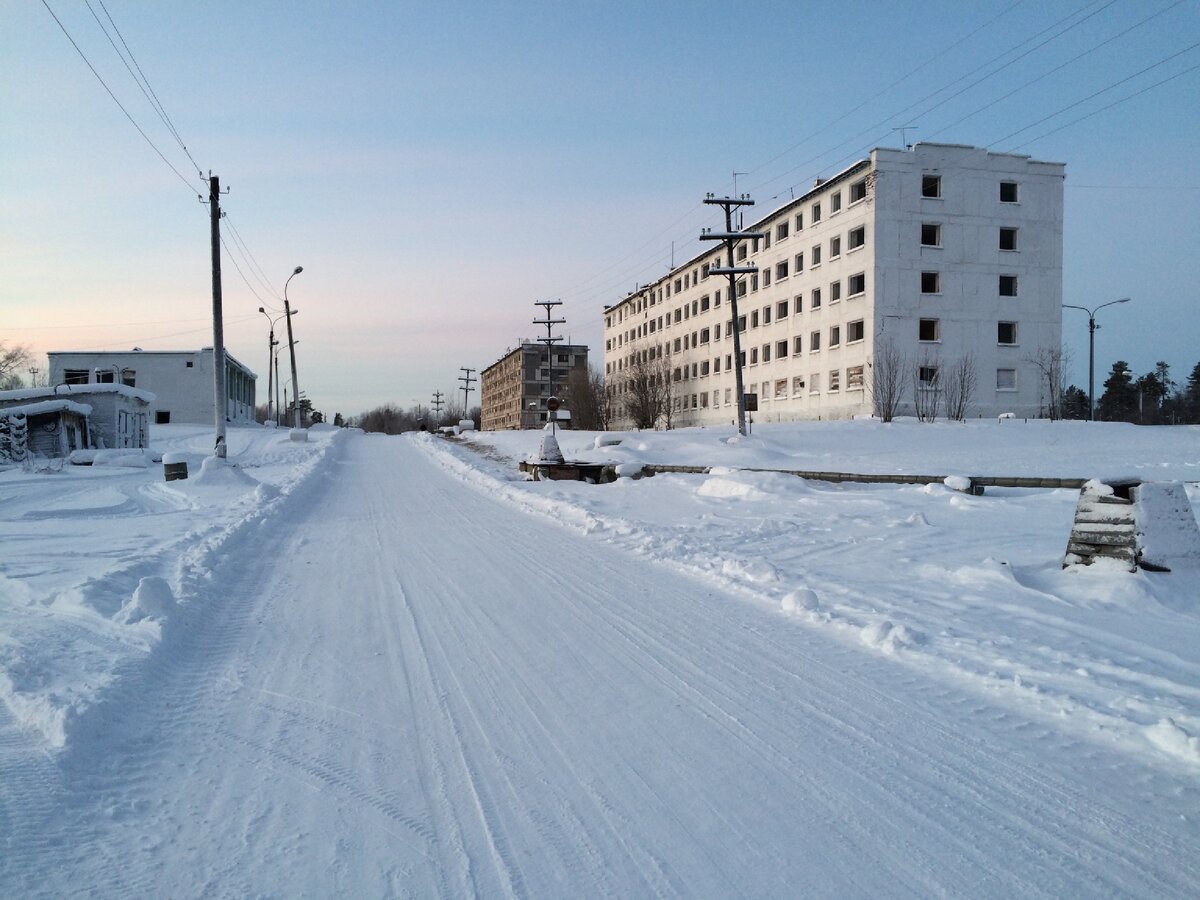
[261, 310]
[1124, 299]
[298, 270]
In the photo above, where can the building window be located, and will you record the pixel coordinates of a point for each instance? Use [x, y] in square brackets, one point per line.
[742, 288]
[766, 276]
[931, 186]
[856, 284]
[781, 231]
[781, 270]
[799, 221]
[741, 323]
[857, 237]
[931, 283]
[781, 349]
[835, 381]
[781, 309]
[835, 202]
[1008, 285]
[815, 303]
[704, 368]
[76, 376]
[931, 235]
[1006, 379]
[814, 341]
[780, 388]
[1008, 192]
[754, 318]
[799, 262]
[797, 345]
[797, 385]
[754, 282]
[161, 416]
[704, 303]
[798, 300]
[741, 254]
[814, 383]
[1008, 239]
[815, 217]
[704, 335]
[854, 378]
[815, 255]
[858, 191]
[854, 331]
[835, 247]
[927, 376]
[753, 356]
[928, 330]
[1006, 332]
[835, 291]
[835, 335]
[766, 353]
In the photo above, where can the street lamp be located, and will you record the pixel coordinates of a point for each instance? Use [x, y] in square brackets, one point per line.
[1092, 350]
[287, 311]
[271, 342]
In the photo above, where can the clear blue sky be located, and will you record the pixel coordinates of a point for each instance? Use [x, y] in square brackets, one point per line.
[437, 168]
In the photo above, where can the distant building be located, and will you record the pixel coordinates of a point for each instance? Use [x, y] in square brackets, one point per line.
[513, 390]
[181, 381]
[937, 256]
[53, 421]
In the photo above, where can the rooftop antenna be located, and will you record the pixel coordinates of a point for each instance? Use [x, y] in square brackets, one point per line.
[741, 220]
[904, 130]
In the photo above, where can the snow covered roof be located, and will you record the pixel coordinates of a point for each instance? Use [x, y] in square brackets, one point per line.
[40, 407]
[68, 390]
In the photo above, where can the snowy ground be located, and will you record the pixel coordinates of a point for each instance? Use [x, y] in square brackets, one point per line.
[390, 666]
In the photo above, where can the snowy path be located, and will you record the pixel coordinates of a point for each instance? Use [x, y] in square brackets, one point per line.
[386, 694]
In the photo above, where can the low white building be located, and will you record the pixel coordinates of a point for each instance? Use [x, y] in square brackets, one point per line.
[942, 257]
[66, 417]
[180, 380]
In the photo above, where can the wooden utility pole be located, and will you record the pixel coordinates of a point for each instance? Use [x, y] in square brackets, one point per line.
[549, 340]
[731, 239]
[466, 383]
[436, 405]
[214, 204]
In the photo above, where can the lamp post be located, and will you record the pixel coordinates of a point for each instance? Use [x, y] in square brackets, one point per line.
[1092, 350]
[287, 311]
[271, 342]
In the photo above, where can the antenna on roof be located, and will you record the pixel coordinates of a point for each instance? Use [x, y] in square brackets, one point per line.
[904, 130]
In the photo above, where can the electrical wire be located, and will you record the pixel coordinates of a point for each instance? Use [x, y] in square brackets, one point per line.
[146, 137]
[251, 262]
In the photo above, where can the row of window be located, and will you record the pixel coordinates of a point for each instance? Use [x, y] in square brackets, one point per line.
[931, 236]
[929, 331]
[931, 189]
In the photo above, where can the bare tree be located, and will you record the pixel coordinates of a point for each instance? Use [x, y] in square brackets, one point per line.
[958, 387]
[587, 399]
[887, 380]
[11, 360]
[1051, 362]
[927, 389]
[645, 387]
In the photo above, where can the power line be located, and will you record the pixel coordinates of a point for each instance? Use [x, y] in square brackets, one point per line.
[83, 56]
[251, 262]
[140, 78]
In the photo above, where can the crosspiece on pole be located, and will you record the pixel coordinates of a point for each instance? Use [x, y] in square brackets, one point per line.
[732, 235]
[734, 270]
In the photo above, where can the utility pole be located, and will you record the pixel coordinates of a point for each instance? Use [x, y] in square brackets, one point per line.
[550, 340]
[287, 311]
[214, 204]
[466, 383]
[731, 239]
[436, 406]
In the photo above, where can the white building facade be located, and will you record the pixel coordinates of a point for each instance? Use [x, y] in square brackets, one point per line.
[933, 260]
[181, 381]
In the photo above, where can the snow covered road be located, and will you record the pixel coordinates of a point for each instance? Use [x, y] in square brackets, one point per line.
[401, 686]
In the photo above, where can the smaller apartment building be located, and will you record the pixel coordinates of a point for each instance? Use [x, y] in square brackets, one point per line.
[934, 255]
[180, 380]
[513, 390]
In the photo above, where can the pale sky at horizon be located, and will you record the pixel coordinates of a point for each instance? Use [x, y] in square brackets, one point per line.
[438, 168]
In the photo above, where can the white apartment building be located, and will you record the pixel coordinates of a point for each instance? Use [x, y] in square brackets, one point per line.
[933, 255]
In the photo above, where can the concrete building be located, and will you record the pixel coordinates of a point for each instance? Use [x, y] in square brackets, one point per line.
[514, 389]
[180, 380]
[937, 255]
[66, 417]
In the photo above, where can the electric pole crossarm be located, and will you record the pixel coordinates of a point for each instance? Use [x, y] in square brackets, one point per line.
[732, 235]
[735, 270]
[727, 202]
